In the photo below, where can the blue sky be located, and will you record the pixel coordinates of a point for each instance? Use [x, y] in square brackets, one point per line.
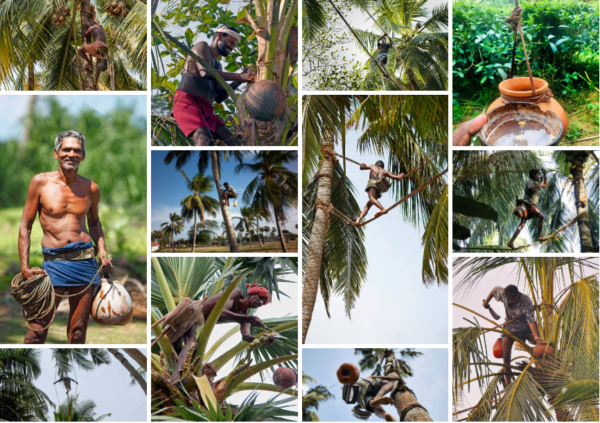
[14, 107]
[107, 385]
[393, 291]
[429, 383]
[169, 187]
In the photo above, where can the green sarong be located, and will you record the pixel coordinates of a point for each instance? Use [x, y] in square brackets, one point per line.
[381, 185]
[367, 389]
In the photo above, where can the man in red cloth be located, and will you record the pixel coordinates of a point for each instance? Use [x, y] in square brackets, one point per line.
[198, 89]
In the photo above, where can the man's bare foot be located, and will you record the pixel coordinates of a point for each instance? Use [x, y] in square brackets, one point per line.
[381, 401]
[511, 245]
[381, 213]
[388, 418]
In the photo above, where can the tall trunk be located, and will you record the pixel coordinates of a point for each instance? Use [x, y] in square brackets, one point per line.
[138, 356]
[414, 86]
[88, 70]
[233, 245]
[404, 399]
[132, 371]
[316, 245]
[258, 232]
[583, 223]
[195, 231]
[173, 240]
[31, 77]
[280, 233]
[112, 73]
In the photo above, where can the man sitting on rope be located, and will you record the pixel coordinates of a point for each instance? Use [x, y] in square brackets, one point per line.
[96, 47]
[192, 104]
[230, 192]
[529, 210]
[520, 318]
[377, 185]
[64, 200]
[67, 382]
[383, 46]
[370, 396]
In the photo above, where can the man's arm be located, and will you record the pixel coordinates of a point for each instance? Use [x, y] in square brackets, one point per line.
[534, 330]
[96, 232]
[394, 176]
[202, 50]
[228, 316]
[365, 167]
[245, 331]
[545, 179]
[489, 298]
[29, 212]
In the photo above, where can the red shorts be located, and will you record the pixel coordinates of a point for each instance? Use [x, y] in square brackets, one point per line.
[192, 112]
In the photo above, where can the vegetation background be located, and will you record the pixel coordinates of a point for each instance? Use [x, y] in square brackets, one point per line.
[115, 160]
[562, 44]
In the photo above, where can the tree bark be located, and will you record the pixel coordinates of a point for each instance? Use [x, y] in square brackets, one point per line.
[88, 71]
[173, 240]
[280, 233]
[195, 232]
[316, 245]
[31, 77]
[233, 244]
[138, 356]
[583, 222]
[132, 371]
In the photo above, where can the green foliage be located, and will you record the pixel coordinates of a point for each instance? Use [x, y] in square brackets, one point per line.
[561, 39]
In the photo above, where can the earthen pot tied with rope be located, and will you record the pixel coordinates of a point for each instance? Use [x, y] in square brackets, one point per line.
[285, 378]
[348, 374]
[498, 348]
[112, 304]
[265, 100]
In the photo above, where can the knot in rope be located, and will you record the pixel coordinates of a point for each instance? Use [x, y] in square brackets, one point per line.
[36, 296]
[329, 155]
[326, 207]
[544, 97]
[514, 19]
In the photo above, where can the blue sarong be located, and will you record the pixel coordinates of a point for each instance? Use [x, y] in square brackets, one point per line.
[65, 273]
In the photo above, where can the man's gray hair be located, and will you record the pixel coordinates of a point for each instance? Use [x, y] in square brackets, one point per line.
[71, 133]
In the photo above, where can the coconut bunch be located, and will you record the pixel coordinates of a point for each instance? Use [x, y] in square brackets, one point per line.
[117, 9]
[61, 15]
[92, 9]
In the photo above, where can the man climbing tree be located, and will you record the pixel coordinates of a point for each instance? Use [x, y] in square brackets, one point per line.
[198, 89]
[383, 46]
[369, 394]
[377, 185]
[530, 210]
[96, 46]
[520, 318]
[67, 382]
[230, 192]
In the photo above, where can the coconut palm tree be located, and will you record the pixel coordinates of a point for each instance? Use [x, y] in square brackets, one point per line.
[312, 398]
[383, 362]
[173, 227]
[275, 187]
[174, 278]
[20, 400]
[409, 130]
[198, 203]
[215, 158]
[564, 381]
[139, 358]
[73, 410]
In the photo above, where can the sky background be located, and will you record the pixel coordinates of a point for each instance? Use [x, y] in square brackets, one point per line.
[13, 109]
[107, 385]
[502, 277]
[393, 290]
[169, 187]
[429, 383]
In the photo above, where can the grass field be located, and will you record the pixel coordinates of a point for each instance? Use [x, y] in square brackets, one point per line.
[269, 247]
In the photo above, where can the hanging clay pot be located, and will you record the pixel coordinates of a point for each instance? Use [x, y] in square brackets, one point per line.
[285, 378]
[265, 100]
[542, 349]
[519, 90]
[498, 348]
[347, 374]
[112, 304]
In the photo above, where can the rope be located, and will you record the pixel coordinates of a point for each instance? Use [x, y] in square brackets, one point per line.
[409, 408]
[328, 209]
[483, 172]
[37, 296]
[378, 215]
[514, 22]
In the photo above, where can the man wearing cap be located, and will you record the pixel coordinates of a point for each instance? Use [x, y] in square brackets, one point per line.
[65, 201]
[198, 89]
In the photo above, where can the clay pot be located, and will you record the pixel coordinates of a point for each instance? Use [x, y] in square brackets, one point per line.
[498, 348]
[285, 378]
[520, 87]
[112, 304]
[347, 374]
[543, 348]
[265, 100]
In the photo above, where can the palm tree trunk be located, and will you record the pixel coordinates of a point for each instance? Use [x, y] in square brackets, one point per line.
[138, 356]
[281, 236]
[414, 86]
[258, 232]
[31, 77]
[173, 240]
[583, 222]
[233, 245]
[195, 231]
[86, 17]
[316, 245]
[132, 371]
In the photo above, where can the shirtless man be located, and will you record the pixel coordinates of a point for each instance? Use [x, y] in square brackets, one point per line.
[371, 397]
[235, 311]
[376, 186]
[229, 192]
[64, 200]
[198, 89]
[97, 47]
[529, 210]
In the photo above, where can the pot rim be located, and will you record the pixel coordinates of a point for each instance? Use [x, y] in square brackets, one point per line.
[543, 87]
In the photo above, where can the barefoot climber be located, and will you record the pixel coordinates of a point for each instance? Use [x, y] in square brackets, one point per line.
[192, 104]
[529, 210]
[520, 309]
[235, 311]
[64, 201]
[370, 396]
[96, 47]
[229, 192]
[377, 185]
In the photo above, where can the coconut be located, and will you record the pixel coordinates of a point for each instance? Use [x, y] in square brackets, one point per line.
[285, 378]
[265, 100]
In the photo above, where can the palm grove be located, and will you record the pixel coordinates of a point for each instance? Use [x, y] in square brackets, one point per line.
[21, 400]
[414, 31]
[270, 196]
[411, 132]
[40, 41]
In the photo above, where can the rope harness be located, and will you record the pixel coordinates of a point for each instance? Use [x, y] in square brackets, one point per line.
[37, 296]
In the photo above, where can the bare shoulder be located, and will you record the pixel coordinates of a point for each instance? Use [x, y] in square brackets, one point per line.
[41, 179]
[200, 47]
[237, 293]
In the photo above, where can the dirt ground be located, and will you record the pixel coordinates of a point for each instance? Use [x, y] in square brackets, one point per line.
[269, 247]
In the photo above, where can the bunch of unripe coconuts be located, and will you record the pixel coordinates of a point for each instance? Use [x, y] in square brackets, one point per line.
[61, 15]
[117, 9]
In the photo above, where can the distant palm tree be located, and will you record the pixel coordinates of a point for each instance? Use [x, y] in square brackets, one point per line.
[198, 204]
[275, 187]
[73, 410]
[260, 213]
[173, 226]
[312, 399]
[20, 400]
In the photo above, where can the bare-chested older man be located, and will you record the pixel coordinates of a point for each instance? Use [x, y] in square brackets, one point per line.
[376, 186]
[64, 200]
[193, 101]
